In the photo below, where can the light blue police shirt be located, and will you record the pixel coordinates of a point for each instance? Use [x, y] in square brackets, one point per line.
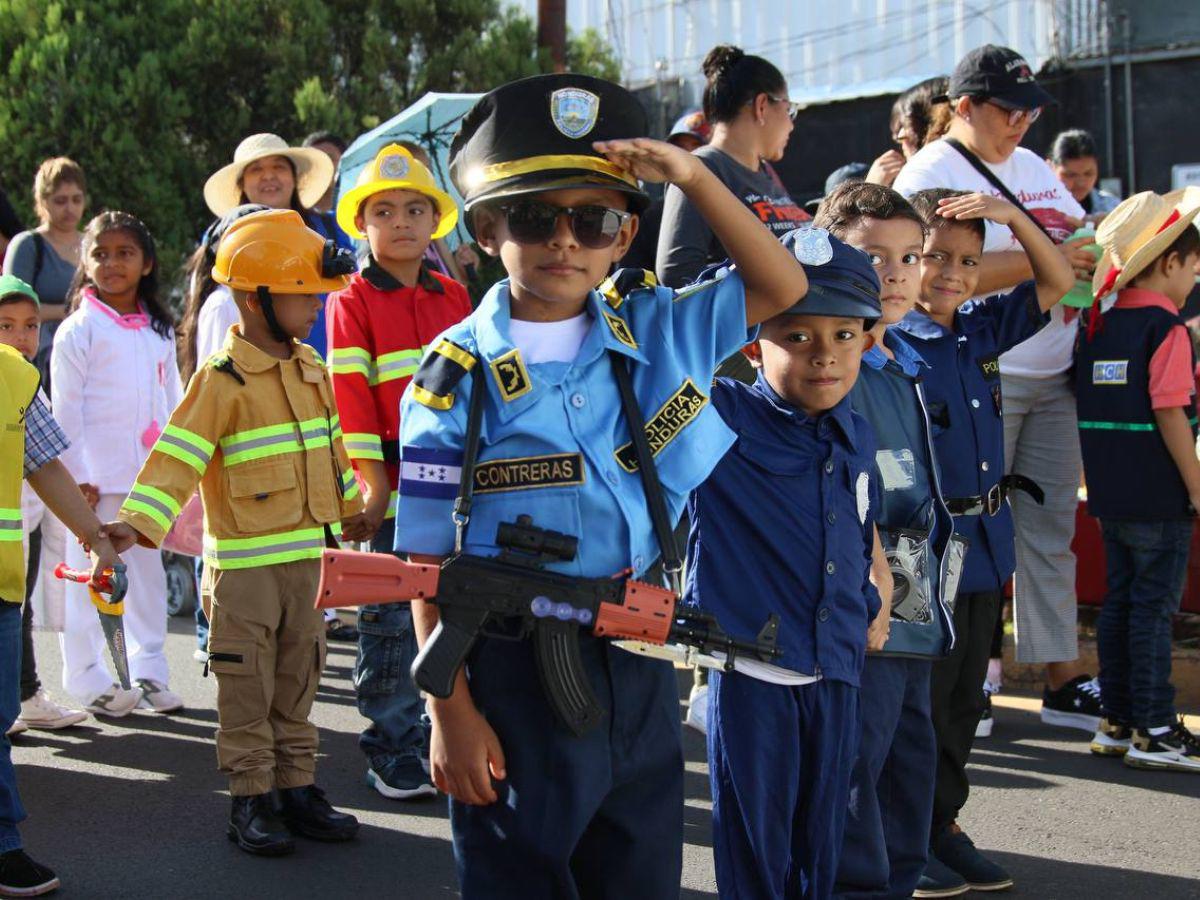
[555, 443]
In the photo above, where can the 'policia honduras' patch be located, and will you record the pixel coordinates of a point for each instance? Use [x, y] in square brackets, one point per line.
[526, 472]
[672, 417]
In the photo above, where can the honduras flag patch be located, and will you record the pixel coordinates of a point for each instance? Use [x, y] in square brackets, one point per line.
[431, 473]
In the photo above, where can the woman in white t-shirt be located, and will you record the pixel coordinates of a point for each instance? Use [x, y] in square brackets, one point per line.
[995, 98]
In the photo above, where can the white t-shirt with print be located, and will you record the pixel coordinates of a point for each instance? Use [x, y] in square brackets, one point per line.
[939, 165]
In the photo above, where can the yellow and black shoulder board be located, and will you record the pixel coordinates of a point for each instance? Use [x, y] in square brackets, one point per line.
[444, 366]
[623, 282]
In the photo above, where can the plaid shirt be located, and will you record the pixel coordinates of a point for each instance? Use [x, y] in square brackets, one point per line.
[44, 440]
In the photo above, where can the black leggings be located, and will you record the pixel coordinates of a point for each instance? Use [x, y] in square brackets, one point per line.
[29, 677]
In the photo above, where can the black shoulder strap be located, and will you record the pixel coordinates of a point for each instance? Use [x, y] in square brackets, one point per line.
[466, 484]
[655, 500]
[39, 258]
[977, 164]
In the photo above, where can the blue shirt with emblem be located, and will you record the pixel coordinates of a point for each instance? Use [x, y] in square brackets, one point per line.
[963, 393]
[555, 444]
[785, 525]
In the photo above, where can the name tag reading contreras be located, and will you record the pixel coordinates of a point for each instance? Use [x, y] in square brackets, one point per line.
[526, 472]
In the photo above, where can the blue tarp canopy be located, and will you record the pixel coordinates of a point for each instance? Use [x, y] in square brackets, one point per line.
[431, 122]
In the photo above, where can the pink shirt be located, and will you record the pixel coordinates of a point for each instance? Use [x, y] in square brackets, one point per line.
[1172, 382]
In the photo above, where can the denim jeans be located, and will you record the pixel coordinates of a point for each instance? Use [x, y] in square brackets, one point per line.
[11, 810]
[387, 696]
[1147, 564]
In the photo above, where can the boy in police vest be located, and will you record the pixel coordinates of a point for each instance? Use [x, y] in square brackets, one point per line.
[785, 524]
[886, 843]
[379, 328]
[550, 183]
[962, 342]
[258, 430]
[1135, 393]
[30, 444]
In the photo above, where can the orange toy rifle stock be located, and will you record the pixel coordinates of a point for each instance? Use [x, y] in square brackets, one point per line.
[471, 591]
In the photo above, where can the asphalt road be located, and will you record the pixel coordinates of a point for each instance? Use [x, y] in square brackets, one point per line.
[134, 807]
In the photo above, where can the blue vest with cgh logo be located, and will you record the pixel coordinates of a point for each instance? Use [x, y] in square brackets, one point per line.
[913, 520]
[1128, 469]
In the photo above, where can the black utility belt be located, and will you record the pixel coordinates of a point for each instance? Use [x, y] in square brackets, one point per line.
[993, 501]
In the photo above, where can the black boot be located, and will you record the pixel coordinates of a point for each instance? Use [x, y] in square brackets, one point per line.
[306, 812]
[254, 826]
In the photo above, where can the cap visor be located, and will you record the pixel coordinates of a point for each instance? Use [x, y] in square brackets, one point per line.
[830, 303]
[1027, 96]
[539, 183]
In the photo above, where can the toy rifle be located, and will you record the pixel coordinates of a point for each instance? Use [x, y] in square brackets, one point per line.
[473, 592]
[115, 583]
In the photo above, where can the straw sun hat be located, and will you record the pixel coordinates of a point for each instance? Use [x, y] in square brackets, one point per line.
[314, 172]
[1137, 232]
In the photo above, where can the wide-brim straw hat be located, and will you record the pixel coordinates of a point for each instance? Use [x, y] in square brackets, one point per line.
[314, 172]
[1137, 232]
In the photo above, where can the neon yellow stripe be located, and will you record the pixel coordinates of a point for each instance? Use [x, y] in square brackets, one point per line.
[10, 513]
[457, 354]
[349, 485]
[349, 354]
[391, 510]
[191, 437]
[196, 462]
[146, 509]
[393, 374]
[293, 446]
[354, 368]
[155, 494]
[255, 433]
[265, 559]
[430, 399]
[397, 355]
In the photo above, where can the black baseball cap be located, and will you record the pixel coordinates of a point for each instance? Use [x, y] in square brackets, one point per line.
[536, 135]
[997, 73]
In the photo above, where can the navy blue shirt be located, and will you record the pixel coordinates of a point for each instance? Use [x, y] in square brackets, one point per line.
[962, 389]
[785, 524]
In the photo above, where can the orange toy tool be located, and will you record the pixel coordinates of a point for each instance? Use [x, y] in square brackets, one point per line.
[113, 582]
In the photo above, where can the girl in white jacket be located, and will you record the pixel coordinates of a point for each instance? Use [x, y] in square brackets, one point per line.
[114, 383]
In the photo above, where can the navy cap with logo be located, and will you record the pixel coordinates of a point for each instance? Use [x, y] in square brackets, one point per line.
[841, 279]
[536, 134]
[998, 73]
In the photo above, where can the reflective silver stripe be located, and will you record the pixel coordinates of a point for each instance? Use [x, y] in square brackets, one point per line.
[268, 550]
[254, 443]
[141, 497]
[10, 525]
[199, 453]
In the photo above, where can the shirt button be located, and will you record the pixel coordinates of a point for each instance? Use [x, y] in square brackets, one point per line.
[975, 403]
[579, 401]
[831, 517]
[984, 465]
[830, 568]
[829, 467]
[823, 614]
[611, 476]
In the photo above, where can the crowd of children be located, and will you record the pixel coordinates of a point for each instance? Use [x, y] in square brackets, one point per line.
[854, 493]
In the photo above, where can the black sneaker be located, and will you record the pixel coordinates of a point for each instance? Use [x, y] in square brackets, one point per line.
[1111, 738]
[1075, 705]
[956, 850]
[401, 777]
[1178, 750]
[20, 876]
[939, 880]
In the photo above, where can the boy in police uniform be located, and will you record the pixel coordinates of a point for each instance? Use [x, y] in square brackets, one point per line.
[962, 342]
[379, 328]
[550, 182]
[30, 444]
[785, 525]
[258, 430]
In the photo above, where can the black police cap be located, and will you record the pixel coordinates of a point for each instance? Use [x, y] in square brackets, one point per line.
[536, 134]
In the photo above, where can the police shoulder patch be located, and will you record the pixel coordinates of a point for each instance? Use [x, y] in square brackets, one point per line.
[620, 329]
[444, 366]
[680, 409]
[512, 378]
[623, 282]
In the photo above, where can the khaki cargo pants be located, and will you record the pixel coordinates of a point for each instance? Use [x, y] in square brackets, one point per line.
[266, 646]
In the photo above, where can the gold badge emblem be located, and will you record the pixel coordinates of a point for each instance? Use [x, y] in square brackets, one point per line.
[512, 378]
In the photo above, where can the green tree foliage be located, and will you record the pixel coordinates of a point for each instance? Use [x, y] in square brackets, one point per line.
[152, 96]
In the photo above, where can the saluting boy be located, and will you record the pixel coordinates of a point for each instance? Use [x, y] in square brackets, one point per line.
[551, 188]
[962, 341]
[785, 525]
[379, 328]
[258, 430]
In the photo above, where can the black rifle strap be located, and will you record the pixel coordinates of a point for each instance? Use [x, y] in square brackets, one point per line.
[999, 185]
[466, 484]
[655, 499]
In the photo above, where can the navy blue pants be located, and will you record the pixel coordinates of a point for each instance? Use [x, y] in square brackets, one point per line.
[779, 762]
[891, 790]
[1147, 565]
[387, 646]
[11, 810]
[598, 816]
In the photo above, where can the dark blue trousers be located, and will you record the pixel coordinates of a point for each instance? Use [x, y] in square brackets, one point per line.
[779, 761]
[598, 816]
[11, 810]
[891, 790]
[387, 697]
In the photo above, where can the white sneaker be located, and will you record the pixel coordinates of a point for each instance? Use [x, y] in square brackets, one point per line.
[697, 714]
[17, 727]
[39, 711]
[114, 703]
[200, 655]
[158, 697]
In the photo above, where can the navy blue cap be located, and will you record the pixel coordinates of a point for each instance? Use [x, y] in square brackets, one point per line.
[841, 279]
[854, 171]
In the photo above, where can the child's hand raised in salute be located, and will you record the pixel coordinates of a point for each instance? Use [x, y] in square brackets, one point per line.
[978, 206]
[651, 160]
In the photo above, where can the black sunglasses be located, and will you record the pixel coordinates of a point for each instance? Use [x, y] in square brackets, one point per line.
[534, 222]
